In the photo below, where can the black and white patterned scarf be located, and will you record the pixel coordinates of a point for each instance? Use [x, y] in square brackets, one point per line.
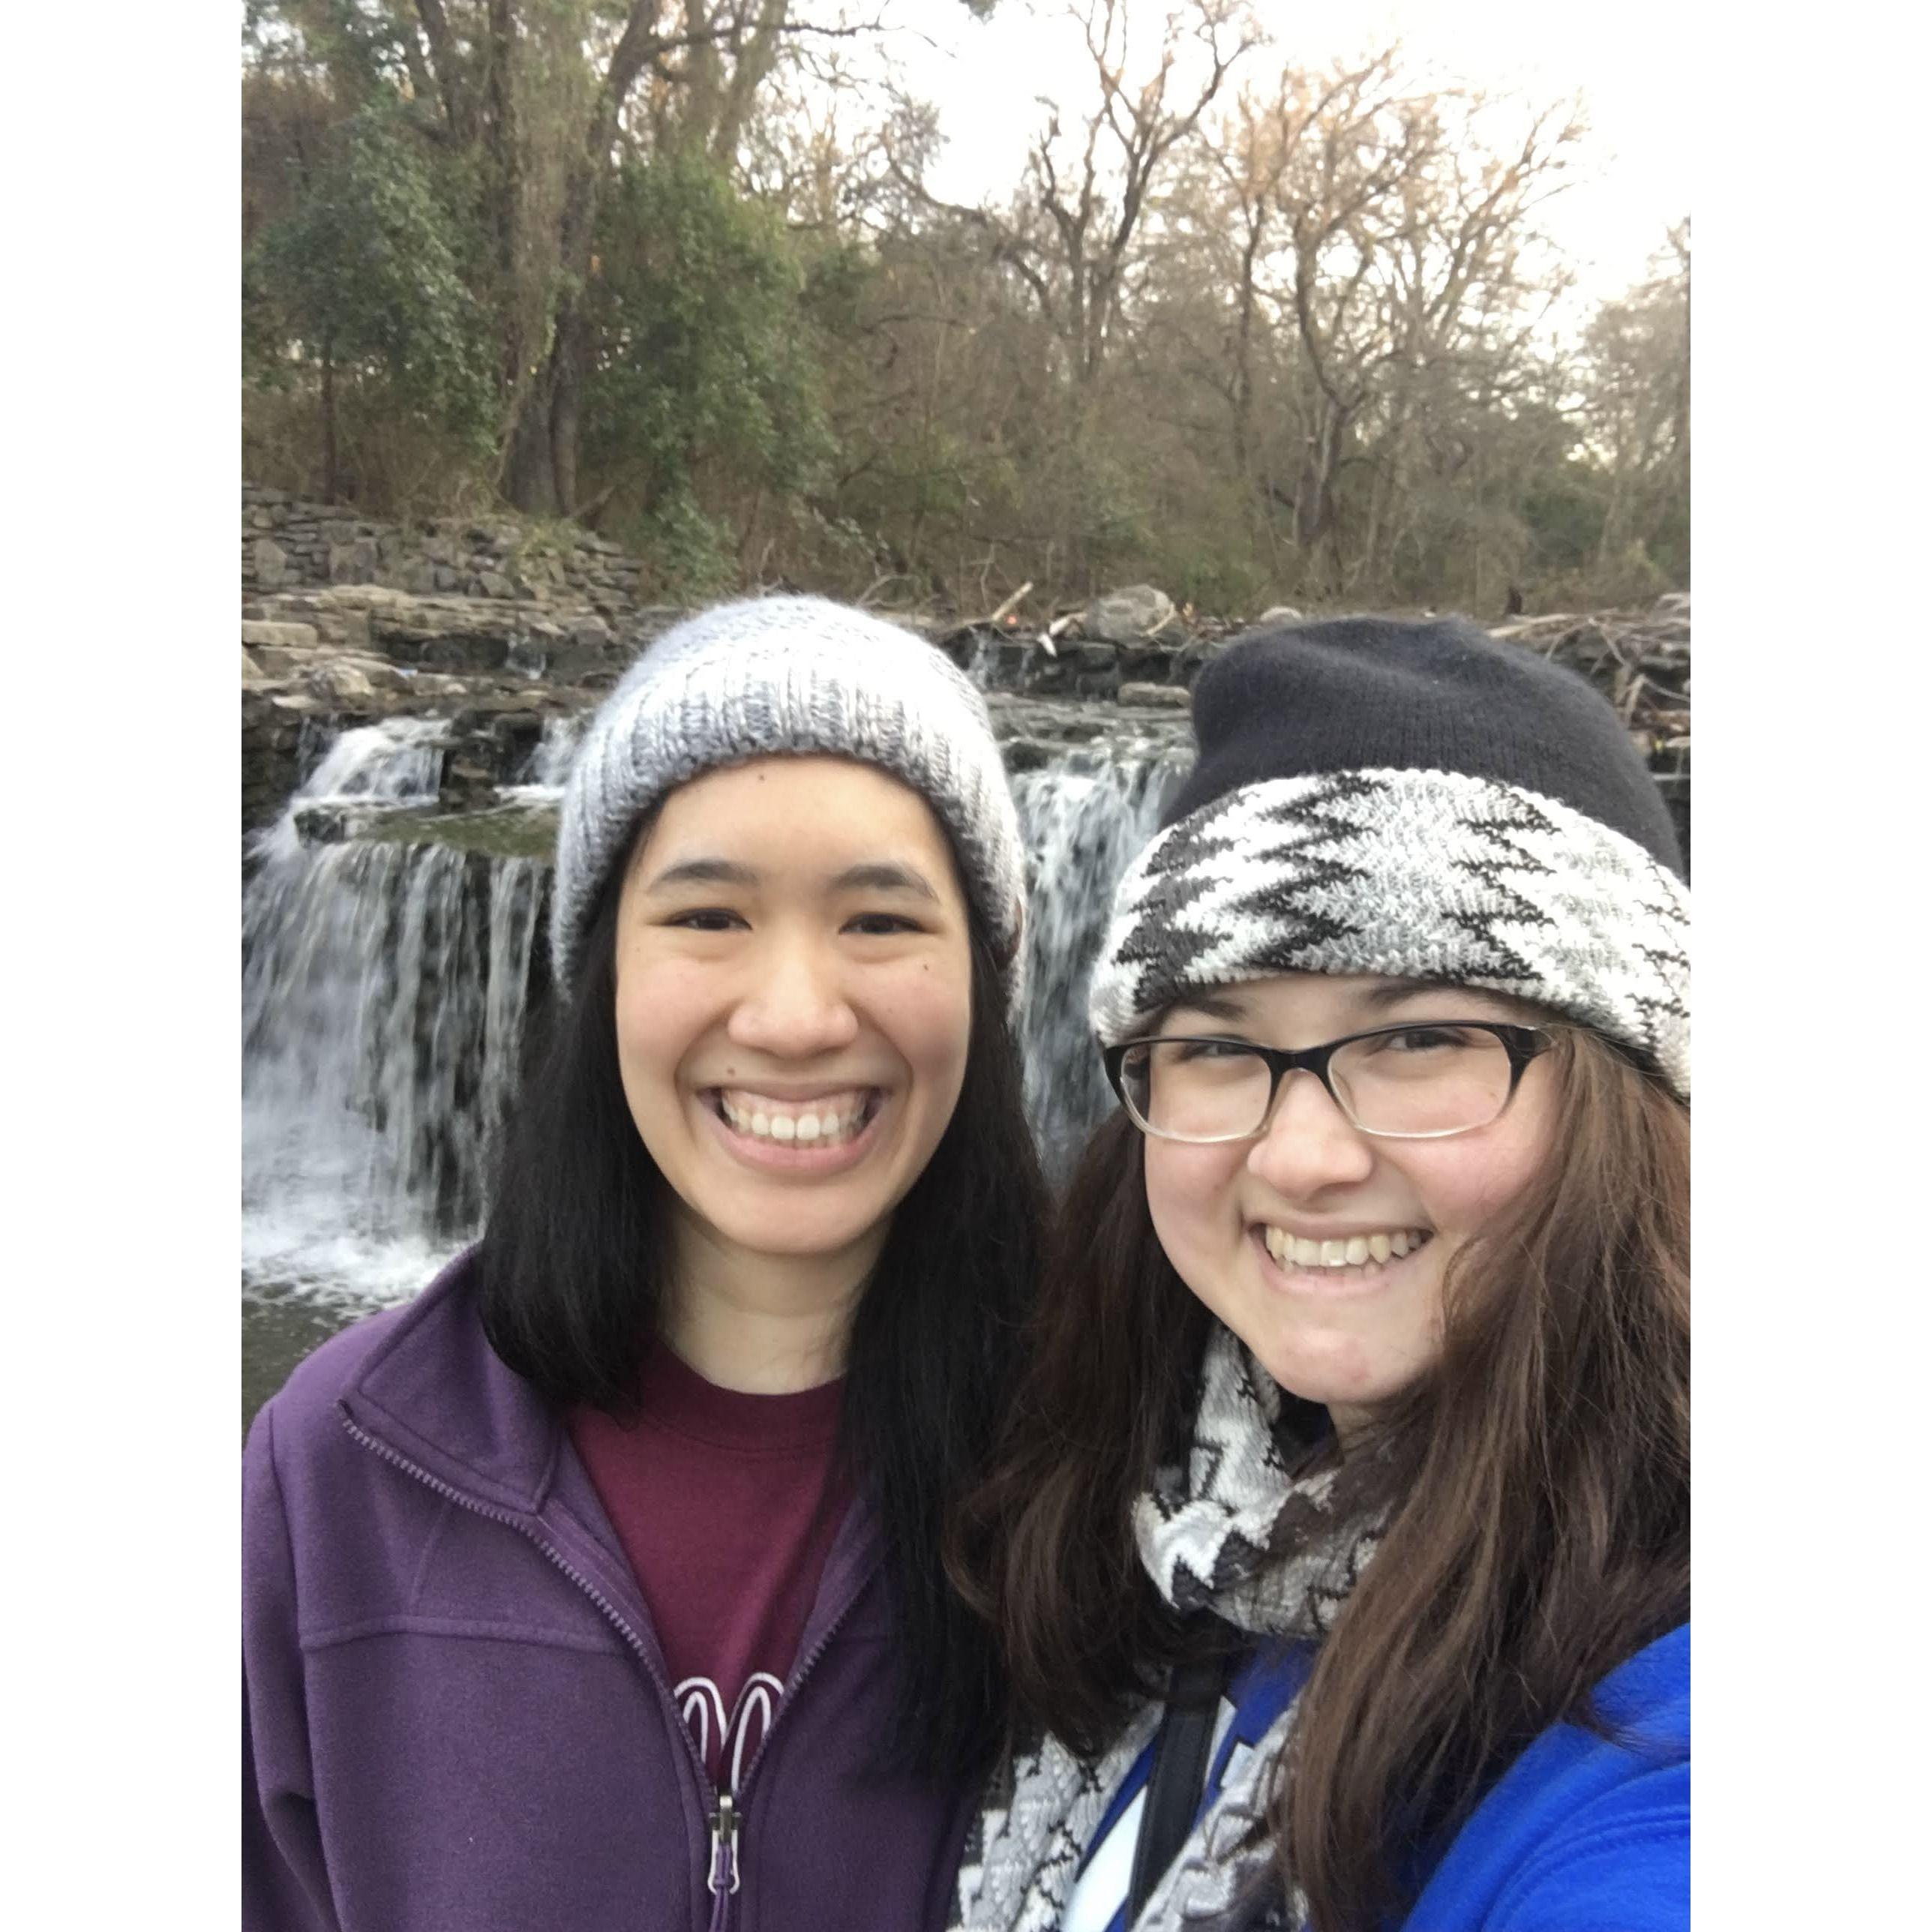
[1205, 1533]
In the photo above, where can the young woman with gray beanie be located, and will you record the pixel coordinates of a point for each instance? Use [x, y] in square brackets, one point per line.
[600, 1587]
[1340, 1541]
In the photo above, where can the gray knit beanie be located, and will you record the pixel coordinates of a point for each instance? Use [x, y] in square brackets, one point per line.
[799, 675]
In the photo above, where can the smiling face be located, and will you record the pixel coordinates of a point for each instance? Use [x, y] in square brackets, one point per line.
[793, 1007]
[1251, 1225]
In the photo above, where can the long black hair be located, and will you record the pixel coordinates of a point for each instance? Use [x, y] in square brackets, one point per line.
[575, 1265]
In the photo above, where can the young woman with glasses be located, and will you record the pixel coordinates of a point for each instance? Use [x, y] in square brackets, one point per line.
[1339, 1542]
[600, 1587]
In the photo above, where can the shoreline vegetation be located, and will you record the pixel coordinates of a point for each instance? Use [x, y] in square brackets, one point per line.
[1252, 330]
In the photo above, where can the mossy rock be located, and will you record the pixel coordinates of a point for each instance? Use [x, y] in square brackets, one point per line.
[501, 832]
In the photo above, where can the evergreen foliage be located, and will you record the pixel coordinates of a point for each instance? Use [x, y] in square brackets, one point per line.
[364, 279]
[367, 268]
[704, 372]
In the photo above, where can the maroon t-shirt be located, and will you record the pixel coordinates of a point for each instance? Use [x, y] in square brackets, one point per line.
[726, 1505]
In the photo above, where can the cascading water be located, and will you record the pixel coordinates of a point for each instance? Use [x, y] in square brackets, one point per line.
[383, 993]
[982, 666]
[548, 764]
[386, 982]
[397, 762]
[1083, 818]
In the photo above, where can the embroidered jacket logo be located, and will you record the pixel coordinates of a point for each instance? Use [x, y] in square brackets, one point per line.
[701, 1705]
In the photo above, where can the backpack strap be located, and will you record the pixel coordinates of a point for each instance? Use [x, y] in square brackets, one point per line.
[1179, 1772]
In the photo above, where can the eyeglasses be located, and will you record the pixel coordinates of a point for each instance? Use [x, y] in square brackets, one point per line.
[1423, 1080]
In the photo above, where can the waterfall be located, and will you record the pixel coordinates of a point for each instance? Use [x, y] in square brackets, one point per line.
[548, 764]
[398, 762]
[383, 994]
[983, 666]
[1083, 818]
[385, 986]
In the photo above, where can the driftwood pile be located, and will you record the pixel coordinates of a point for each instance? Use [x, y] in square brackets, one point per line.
[1639, 660]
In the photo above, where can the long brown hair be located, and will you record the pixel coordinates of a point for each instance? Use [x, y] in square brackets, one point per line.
[1536, 1487]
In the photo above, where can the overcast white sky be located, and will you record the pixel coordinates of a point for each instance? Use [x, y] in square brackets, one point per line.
[1631, 61]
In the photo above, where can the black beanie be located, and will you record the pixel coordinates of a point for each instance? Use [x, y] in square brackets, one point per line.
[1415, 800]
[1375, 693]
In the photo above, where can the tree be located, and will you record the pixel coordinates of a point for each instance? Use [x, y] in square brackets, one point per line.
[1069, 245]
[538, 102]
[1071, 231]
[1636, 407]
[365, 268]
[700, 368]
[1350, 266]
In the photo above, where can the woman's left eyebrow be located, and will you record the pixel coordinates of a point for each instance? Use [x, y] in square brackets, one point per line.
[881, 877]
[1215, 1006]
[1380, 998]
[1474, 1001]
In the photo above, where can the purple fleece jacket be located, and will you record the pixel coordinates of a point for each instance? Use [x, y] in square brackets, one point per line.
[457, 1714]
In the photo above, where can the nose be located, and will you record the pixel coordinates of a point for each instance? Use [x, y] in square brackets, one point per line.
[794, 1005]
[1310, 1144]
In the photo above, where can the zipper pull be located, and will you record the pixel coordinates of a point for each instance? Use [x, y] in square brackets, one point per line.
[724, 1846]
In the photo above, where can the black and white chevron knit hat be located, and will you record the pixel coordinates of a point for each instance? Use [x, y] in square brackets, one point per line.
[795, 675]
[1416, 799]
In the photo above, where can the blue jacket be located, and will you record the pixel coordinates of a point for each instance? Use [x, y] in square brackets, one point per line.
[1581, 1834]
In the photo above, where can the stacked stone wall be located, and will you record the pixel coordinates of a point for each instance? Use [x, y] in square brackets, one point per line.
[288, 545]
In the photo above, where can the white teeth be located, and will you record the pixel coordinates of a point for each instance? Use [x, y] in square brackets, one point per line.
[1353, 1251]
[823, 1125]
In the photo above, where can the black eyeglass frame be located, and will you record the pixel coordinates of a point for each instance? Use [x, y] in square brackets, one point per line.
[1522, 1044]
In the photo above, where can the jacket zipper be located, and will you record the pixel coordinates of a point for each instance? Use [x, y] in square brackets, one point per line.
[727, 1823]
[721, 1816]
[723, 1881]
[726, 1818]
